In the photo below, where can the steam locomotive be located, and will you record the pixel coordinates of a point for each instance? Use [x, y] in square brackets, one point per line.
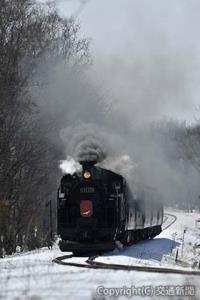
[97, 210]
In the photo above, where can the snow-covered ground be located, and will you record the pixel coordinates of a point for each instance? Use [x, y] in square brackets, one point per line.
[33, 275]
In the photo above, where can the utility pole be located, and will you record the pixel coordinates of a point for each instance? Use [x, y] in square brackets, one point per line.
[51, 220]
[173, 241]
[184, 231]
[49, 203]
[176, 258]
[199, 203]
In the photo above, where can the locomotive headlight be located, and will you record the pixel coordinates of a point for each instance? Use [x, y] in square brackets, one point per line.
[87, 175]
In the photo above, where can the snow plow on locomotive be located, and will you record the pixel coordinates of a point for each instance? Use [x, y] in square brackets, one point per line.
[96, 209]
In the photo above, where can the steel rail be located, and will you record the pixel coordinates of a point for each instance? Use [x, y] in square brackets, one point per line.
[90, 263]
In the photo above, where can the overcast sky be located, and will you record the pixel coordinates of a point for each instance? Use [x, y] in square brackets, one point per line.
[145, 52]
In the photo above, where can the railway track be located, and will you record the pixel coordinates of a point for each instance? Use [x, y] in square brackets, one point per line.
[166, 218]
[91, 263]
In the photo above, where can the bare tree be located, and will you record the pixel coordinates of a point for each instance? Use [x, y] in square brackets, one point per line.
[31, 34]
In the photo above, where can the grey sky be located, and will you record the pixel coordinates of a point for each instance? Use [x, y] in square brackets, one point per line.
[145, 52]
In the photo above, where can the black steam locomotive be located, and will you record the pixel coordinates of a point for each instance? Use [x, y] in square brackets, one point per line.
[97, 209]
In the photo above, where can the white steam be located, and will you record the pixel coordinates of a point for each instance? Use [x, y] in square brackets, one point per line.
[123, 165]
[70, 166]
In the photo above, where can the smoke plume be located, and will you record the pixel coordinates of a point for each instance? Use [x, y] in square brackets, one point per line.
[87, 142]
[105, 113]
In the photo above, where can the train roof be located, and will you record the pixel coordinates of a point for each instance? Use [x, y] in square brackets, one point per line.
[114, 174]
